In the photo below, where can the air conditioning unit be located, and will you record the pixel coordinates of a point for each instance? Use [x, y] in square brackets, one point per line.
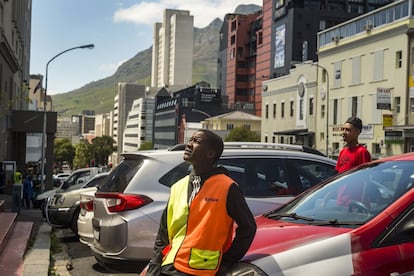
[368, 27]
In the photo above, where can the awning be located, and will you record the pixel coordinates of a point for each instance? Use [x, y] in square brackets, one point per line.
[296, 132]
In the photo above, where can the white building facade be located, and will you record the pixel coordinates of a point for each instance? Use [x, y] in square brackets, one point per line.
[139, 125]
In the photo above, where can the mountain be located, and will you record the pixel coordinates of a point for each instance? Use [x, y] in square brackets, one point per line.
[99, 95]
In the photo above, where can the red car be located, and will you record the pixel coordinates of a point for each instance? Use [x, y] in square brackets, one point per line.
[357, 223]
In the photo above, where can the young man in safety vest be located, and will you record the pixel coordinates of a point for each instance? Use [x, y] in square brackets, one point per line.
[196, 229]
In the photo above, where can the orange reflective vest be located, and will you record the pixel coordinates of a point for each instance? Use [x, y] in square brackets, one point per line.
[199, 234]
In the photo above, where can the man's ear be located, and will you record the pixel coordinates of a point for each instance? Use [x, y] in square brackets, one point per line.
[211, 154]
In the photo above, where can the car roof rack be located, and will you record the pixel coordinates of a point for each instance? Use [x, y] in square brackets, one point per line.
[258, 145]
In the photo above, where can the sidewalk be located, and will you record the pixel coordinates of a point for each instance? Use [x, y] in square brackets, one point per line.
[37, 257]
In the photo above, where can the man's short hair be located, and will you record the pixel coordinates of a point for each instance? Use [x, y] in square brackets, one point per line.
[214, 141]
[355, 121]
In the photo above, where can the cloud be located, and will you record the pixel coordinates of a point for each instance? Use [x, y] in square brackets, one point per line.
[204, 11]
[110, 67]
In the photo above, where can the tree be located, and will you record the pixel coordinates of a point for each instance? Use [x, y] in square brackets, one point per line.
[101, 149]
[82, 156]
[64, 151]
[146, 146]
[242, 134]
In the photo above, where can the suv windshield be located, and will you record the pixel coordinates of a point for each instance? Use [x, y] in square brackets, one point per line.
[352, 198]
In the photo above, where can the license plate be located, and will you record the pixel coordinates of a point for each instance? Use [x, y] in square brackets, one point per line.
[96, 234]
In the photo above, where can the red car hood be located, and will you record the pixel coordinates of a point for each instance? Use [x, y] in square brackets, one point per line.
[275, 236]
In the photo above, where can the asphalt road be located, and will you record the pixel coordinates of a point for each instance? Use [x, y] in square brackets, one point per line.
[81, 260]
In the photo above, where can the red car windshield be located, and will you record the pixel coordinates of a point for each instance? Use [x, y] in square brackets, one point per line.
[351, 199]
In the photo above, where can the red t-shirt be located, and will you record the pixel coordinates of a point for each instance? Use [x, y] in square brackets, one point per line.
[351, 157]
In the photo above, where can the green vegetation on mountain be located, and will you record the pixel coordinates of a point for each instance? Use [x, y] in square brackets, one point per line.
[99, 95]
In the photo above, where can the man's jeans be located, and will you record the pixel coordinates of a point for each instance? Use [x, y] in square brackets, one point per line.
[17, 198]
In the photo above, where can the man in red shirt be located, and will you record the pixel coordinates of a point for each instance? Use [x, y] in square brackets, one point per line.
[353, 154]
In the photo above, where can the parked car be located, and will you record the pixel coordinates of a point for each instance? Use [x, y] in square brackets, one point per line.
[128, 206]
[63, 207]
[85, 229]
[62, 176]
[76, 177]
[357, 223]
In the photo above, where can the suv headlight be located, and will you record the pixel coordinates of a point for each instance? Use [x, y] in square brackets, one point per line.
[60, 200]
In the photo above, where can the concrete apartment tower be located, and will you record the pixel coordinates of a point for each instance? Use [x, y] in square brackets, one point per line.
[172, 52]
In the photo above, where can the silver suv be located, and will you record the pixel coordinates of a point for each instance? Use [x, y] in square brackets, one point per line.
[128, 206]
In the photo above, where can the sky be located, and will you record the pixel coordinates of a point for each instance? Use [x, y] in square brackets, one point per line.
[119, 29]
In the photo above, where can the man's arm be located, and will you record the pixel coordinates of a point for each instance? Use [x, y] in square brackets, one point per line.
[161, 241]
[246, 225]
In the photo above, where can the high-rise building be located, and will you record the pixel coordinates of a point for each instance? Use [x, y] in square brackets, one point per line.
[289, 32]
[284, 32]
[172, 52]
[127, 93]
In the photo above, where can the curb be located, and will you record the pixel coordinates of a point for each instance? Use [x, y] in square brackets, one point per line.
[37, 259]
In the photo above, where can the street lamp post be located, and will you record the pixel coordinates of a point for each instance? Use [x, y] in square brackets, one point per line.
[327, 107]
[202, 112]
[44, 134]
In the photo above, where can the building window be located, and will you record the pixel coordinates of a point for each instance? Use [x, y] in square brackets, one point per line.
[259, 38]
[282, 140]
[232, 40]
[267, 111]
[338, 74]
[311, 106]
[232, 53]
[412, 104]
[274, 111]
[356, 70]
[397, 104]
[230, 126]
[291, 108]
[354, 106]
[301, 109]
[378, 65]
[265, 139]
[412, 56]
[322, 111]
[335, 111]
[247, 127]
[398, 59]
[273, 139]
[282, 110]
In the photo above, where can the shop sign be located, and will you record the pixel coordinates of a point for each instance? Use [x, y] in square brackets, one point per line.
[393, 137]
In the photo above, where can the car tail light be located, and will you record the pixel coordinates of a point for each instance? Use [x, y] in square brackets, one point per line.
[87, 205]
[116, 202]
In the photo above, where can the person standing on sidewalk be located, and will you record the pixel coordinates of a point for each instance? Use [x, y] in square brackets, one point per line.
[28, 191]
[195, 236]
[17, 193]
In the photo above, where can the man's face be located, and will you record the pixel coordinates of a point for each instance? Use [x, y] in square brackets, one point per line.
[196, 150]
[349, 133]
